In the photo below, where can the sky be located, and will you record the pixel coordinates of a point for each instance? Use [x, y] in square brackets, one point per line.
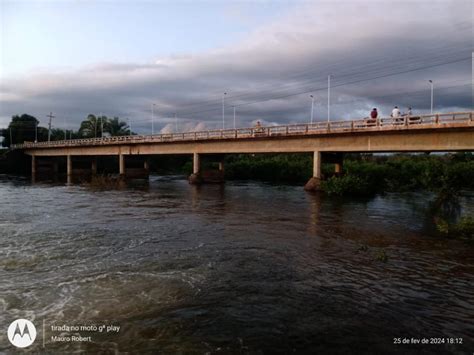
[123, 58]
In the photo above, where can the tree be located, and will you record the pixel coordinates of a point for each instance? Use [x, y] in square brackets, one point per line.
[91, 126]
[23, 129]
[57, 134]
[117, 128]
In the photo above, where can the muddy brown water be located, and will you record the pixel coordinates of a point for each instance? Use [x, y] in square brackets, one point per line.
[244, 267]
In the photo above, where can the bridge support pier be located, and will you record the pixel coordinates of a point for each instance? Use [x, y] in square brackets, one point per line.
[195, 177]
[33, 168]
[338, 164]
[146, 165]
[314, 183]
[69, 169]
[122, 165]
[94, 166]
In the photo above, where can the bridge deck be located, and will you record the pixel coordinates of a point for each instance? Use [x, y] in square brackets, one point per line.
[421, 122]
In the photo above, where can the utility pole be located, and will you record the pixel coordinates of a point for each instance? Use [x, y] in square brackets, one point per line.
[65, 130]
[176, 122]
[223, 110]
[36, 131]
[11, 139]
[329, 98]
[49, 125]
[130, 126]
[312, 107]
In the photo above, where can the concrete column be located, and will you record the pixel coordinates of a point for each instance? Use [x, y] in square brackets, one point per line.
[33, 167]
[121, 165]
[55, 174]
[195, 177]
[317, 165]
[94, 166]
[339, 158]
[55, 167]
[221, 166]
[314, 183]
[69, 169]
[146, 165]
[196, 163]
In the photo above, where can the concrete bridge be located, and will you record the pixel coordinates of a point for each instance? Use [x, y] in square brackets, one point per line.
[443, 132]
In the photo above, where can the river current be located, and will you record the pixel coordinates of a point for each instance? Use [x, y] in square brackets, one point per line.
[243, 267]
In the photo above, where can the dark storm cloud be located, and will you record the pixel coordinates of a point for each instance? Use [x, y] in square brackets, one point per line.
[270, 75]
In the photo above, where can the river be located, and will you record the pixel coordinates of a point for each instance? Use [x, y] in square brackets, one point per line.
[244, 267]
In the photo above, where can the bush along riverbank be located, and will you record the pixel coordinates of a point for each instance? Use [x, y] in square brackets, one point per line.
[370, 175]
[362, 174]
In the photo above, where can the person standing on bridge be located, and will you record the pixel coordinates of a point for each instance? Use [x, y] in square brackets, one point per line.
[374, 113]
[396, 112]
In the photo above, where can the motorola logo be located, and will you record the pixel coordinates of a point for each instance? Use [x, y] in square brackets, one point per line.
[21, 333]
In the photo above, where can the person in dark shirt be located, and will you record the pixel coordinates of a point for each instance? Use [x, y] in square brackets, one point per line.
[374, 113]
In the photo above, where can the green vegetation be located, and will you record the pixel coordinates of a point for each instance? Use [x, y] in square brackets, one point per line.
[25, 128]
[293, 168]
[381, 256]
[362, 174]
[93, 127]
[464, 228]
[370, 175]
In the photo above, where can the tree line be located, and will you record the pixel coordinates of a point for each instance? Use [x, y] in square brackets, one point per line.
[25, 128]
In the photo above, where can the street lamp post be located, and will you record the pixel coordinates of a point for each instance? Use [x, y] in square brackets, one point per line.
[312, 107]
[329, 98]
[152, 119]
[101, 126]
[234, 115]
[432, 85]
[49, 125]
[223, 110]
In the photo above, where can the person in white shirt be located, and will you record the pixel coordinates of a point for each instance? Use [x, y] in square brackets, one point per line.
[395, 112]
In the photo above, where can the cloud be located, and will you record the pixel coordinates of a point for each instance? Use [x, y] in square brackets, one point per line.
[270, 74]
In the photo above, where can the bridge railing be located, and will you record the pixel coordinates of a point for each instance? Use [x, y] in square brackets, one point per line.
[438, 120]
